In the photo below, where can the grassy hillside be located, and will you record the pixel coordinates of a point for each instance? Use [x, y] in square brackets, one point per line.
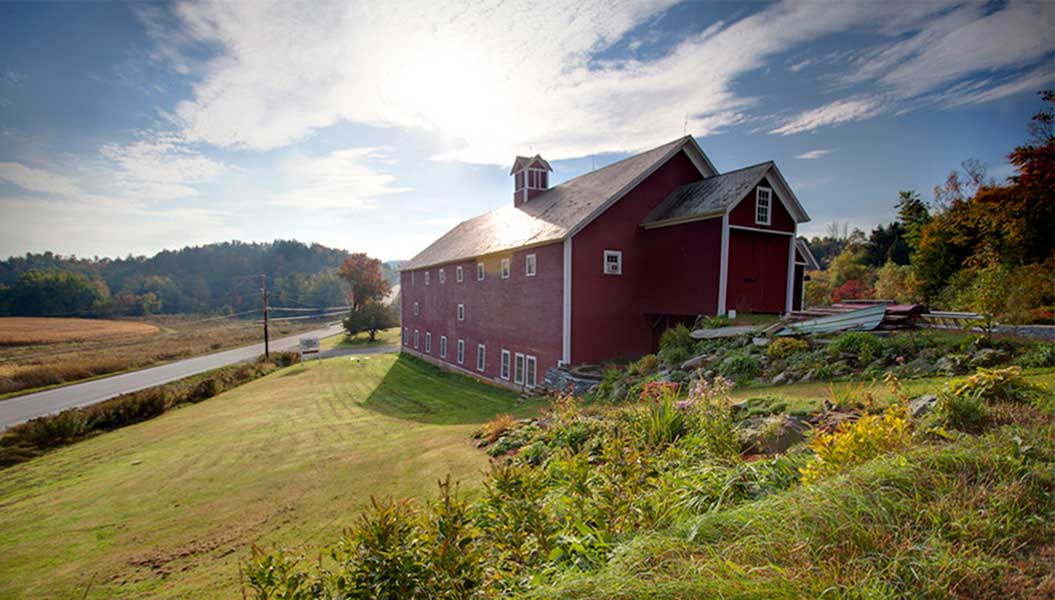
[169, 507]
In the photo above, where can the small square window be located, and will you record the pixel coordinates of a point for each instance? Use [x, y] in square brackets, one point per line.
[481, 357]
[426, 277]
[461, 352]
[480, 271]
[443, 346]
[530, 265]
[428, 343]
[443, 276]
[763, 206]
[505, 268]
[505, 365]
[461, 312]
[459, 274]
[613, 262]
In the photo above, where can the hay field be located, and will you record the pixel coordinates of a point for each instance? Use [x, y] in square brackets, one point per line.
[23, 331]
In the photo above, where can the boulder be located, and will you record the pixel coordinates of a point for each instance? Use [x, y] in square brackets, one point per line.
[917, 407]
[988, 357]
[771, 434]
[696, 362]
[781, 378]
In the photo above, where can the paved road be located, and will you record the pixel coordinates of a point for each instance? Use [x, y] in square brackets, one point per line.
[23, 408]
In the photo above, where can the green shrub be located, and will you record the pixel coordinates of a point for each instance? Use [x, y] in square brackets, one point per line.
[609, 378]
[1041, 355]
[857, 442]
[782, 348]
[646, 365]
[965, 411]
[676, 346]
[128, 409]
[993, 385]
[714, 322]
[864, 347]
[662, 423]
[739, 366]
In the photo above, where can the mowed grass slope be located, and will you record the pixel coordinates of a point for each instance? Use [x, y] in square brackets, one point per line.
[170, 507]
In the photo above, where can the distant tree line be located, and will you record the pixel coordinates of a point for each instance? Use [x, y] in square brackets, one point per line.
[216, 278]
[978, 246]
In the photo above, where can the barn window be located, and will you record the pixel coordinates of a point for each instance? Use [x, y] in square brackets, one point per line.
[406, 336]
[426, 277]
[443, 346]
[613, 262]
[505, 364]
[480, 271]
[412, 278]
[530, 265]
[763, 205]
[461, 352]
[443, 276]
[505, 268]
[481, 357]
[532, 371]
[416, 332]
[417, 309]
[461, 312]
[518, 369]
[459, 275]
[428, 343]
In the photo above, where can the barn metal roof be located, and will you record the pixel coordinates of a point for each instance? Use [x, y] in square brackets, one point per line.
[549, 216]
[710, 196]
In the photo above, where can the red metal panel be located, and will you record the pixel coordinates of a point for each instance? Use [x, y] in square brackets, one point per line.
[744, 213]
[609, 311]
[520, 314]
[758, 271]
[684, 263]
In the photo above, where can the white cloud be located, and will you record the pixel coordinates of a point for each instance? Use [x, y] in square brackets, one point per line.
[813, 154]
[840, 111]
[37, 180]
[489, 78]
[159, 166]
[341, 179]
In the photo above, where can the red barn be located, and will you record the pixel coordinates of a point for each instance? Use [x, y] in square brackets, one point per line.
[594, 268]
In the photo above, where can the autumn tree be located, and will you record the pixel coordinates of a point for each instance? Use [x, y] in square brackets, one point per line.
[370, 318]
[363, 275]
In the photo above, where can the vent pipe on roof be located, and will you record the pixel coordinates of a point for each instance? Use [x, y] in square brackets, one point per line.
[530, 178]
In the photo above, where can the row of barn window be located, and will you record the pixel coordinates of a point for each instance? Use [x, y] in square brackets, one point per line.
[530, 270]
[521, 369]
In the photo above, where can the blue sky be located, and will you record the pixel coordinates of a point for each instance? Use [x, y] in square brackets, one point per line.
[377, 126]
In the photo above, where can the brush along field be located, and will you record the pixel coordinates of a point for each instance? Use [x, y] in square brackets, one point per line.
[43, 352]
[170, 507]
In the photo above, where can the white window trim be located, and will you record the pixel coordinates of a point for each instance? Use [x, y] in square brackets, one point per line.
[518, 359]
[459, 274]
[507, 365]
[416, 338]
[481, 271]
[619, 263]
[443, 276]
[481, 358]
[443, 346]
[531, 381]
[461, 312]
[461, 352]
[505, 268]
[530, 265]
[426, 277]
[768, 205]
[428, 342]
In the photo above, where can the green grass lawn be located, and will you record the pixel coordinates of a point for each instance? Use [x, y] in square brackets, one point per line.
[385, 337]
[170, 507]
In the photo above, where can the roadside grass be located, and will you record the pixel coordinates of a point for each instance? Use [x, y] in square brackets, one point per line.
[169, 507]
[385, 337]
[34, 367]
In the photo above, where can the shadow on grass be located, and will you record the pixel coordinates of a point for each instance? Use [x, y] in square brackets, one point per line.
[414, 390]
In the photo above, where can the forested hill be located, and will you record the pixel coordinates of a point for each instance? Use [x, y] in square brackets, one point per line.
[216, 278]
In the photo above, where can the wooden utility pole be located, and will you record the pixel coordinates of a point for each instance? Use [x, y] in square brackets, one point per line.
[263, 281]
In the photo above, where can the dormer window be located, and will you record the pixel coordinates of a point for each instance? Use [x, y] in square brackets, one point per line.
[530, 178]
[763, 206]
